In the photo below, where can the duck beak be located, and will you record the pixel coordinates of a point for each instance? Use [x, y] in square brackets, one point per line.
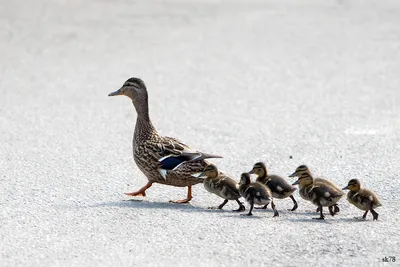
[293, 175]
[251, 172]
[118, 92]
[346, 187]
[295, 183]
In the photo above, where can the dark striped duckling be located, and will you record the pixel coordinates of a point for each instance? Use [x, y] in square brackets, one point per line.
[279, 187]
[362, 198]
[221, 185]
[320, 194]
[255, 193]
[302, 190]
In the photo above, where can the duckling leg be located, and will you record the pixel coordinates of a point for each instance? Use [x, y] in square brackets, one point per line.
[331, 210]
[295, 204]
[374, 214]
[336, 208]
[364, 216]
[250, 211]
[321, 217]
[141, 192]
[223, 204]
[241, 206]
[276, 214]
[262, 208]
[187, 199]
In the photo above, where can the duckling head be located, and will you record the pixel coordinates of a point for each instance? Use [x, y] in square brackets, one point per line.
[353, 185]
[245, 179]
[300, 170]
[135, 89]
[210, 171]
[304, 179]
[260, 169]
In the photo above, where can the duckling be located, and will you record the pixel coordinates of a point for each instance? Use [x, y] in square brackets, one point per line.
[362, 198]
[304, 169]
[279, 187]
[221, 185]
[161, 159]
[320, 194]
[255, 193]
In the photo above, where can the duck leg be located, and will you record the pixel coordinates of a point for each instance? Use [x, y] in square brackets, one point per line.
[295, 204]
[241, 206]
[321, 217]
[141, 192]
[276, 214]
[187, 199]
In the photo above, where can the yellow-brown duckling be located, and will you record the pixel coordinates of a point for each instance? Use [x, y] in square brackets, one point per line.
[279, 187]
[304, 169]
[221, 185]
[255, 193]
[320, 194]
[362, 198]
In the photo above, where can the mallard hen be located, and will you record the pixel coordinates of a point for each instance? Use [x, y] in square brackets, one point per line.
[162, 159]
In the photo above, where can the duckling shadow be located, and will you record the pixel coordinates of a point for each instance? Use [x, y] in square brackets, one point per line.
[355, 220]
[309, 220]
[244, 216]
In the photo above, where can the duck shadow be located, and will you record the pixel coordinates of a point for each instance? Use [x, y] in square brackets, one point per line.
[143, 204]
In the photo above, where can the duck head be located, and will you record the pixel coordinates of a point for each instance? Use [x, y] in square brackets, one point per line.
[210, 171]
[353, 185]
[299, 170]
[245, 179]
[304, 179]
[260, 169]
[135, 89]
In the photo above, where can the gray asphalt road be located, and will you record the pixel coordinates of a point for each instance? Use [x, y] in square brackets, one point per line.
[263, 80]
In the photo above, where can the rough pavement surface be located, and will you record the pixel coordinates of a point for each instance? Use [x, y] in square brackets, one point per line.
[249, 80]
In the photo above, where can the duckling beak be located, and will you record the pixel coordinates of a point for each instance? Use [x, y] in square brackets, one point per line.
[202, 174]
[118, 92]
[251, 172]
[293, 174]
[295, 183]
[346, 187]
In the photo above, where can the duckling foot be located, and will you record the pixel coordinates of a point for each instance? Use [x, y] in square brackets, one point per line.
[331, 210]
[250, 211]
[295, 204]
[336, 206]
[276, 214]
[141, 192]
[374, 214]
[220, 206]
[241, 206]
[321, 217]
[187, 199]
[261, 208]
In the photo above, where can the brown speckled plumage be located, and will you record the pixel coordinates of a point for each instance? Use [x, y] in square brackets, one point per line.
[149, 146]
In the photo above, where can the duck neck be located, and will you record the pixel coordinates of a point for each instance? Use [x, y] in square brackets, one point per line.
[264, 175]
[144, 128]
